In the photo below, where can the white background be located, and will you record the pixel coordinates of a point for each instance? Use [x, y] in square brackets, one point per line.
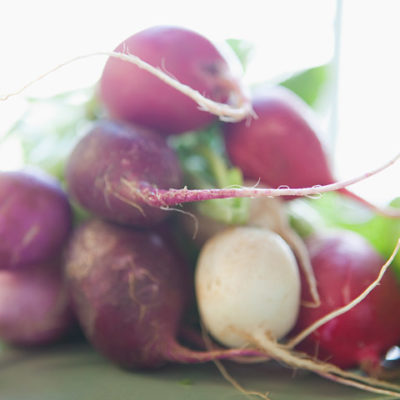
[287, 35]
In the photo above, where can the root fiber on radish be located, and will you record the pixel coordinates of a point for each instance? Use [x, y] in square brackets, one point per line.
[128, 174]
[344, 265]
[133, 94]
[112, 153]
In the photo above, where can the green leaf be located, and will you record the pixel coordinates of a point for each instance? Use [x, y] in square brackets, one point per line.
[203, 159]
[336, 210]
[309, 84]
[243, 50]
[50, 128]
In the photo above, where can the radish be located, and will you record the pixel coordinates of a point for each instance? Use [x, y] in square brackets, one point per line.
[133, 94]
[282, 146]
[35, 218]
[112, 163]
[130, 292]
[247, 281]
[130, 175]
[35, 308]
[344, 265]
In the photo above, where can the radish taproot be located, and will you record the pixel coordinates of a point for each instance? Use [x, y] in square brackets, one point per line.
[130, 293]
[130, 175]
[132, 94]
[35, 217]
[344, 265]
[35, 308]
[283, 147]
[247, 281]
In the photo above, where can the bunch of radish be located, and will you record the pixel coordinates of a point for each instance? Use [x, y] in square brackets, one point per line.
[260, 289]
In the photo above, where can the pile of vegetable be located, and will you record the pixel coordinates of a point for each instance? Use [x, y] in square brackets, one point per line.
[168, 234]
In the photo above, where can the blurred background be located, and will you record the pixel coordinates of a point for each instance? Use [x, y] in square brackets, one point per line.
[358, 100]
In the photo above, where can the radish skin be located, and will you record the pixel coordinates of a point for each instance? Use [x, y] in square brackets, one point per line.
[35, 308]
[35, 218]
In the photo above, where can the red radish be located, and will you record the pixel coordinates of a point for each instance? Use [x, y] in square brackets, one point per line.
[35, 218]
[35, 307]
[133, 94]
[130, 292]
[282, 146]
[344, 265]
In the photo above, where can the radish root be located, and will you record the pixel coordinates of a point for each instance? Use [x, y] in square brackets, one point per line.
[269, 213]
[224, 372]
[302, 335]
[224, 111]
[229, 378]
[299, 360]
[163, 198]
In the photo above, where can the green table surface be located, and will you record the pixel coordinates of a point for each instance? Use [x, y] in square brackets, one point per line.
[74, 371]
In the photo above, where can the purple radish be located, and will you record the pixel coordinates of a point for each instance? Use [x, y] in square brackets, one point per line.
[35, 218]
[130, 293]
[35, 308]
[110, 166]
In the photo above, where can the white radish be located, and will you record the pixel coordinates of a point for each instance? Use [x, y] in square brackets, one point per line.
[247, 281]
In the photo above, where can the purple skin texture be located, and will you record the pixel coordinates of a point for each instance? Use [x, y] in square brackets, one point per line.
[35, 218]
[129, 292]
[35, 308]
[109, 167]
